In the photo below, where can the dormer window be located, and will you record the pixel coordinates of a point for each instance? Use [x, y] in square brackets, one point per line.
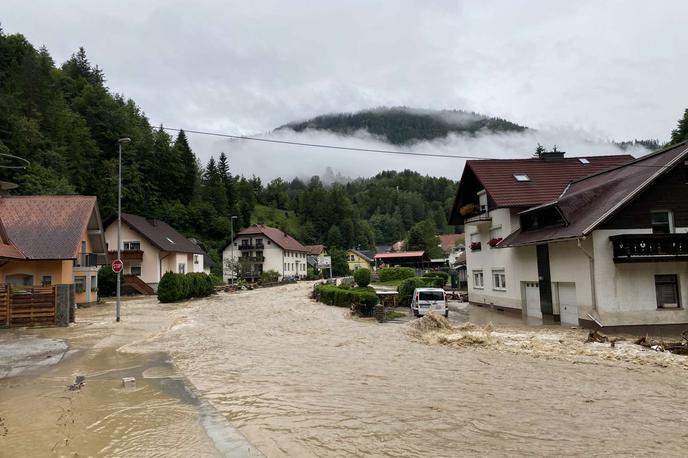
[521, 177]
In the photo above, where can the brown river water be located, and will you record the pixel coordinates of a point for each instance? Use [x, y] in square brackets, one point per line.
[298, 378]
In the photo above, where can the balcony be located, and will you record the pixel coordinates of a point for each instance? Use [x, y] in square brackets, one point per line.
[650, 247]
[126, 255]
[246, 247]
[253, 258]
[86, 260]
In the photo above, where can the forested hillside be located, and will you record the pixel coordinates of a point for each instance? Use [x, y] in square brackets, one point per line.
[66, 121]
[401, 125]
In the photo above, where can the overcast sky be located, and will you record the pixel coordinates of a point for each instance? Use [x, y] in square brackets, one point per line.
[574, 70]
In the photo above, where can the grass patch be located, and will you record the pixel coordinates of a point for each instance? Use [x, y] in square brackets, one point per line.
[390, 283]
[277, 217]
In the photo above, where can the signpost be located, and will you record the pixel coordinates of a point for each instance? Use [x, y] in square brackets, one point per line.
[117, 266]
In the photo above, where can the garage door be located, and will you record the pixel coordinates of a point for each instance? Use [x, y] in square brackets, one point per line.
[568, 306]
[532, 292]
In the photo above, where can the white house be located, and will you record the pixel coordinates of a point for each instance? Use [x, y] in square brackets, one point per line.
[150, 248]
[534, 278]
[263, 248]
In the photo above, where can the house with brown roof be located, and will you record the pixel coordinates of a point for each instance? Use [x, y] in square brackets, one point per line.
[611, 250]
[47, 240]
[490, 201]
[260, 248]
[360, 259]
[149, 249]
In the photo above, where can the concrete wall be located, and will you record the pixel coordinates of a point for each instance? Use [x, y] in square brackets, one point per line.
[626, 292]
[569, 264]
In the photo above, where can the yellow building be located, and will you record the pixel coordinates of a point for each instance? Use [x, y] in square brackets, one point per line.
[49, 240]
[359, 259]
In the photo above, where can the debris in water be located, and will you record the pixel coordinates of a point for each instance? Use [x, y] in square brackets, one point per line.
[128, 382]
[595, 336]
[432, 322]
[78, 384]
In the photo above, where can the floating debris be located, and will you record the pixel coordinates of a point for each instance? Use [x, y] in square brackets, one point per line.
[78, 384]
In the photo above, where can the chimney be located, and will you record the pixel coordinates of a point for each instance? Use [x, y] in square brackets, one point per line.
[554, 154]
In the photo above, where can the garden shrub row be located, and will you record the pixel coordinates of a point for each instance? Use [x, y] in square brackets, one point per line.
[176, 287]
[269, 276]
[435, 282]
[437, 273]
[396, 273]
[361, 300]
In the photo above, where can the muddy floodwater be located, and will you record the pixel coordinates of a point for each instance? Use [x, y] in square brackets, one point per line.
[298, 378]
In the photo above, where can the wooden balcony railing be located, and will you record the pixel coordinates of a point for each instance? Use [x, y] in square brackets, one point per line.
[650, 247]
[127, 255]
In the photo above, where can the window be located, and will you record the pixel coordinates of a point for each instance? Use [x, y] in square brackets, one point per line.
[666, 287]
[181, 268]
[135, 269]
[478, 279]
[46, 280]
[431, 296]
[195, 259]
[94, 283]
[662, 222]
[498, 279]
[259, 242]
[583, 160]
[80, 284]
[351, 257]
[482, 201]
[521, 177]
[132, 245]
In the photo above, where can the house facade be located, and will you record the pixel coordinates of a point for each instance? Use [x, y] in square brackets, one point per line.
[260, 248]
[490, 198]
[610, 251]
[360, 259]
[150, 248]
[50, 240]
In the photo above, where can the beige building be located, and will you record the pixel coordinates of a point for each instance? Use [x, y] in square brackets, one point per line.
[260, 248]
[50, 240]
[359, 259]
[150, 248]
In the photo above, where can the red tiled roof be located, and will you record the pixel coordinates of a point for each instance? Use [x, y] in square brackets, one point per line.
[448, 241]
[400, 254]
[548, 177]
[591, 200]
[314, 250]
[279, 237]
[46, 227]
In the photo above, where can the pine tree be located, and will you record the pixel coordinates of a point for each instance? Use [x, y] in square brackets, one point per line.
[227, 179]
[189, 168]
[681, 132]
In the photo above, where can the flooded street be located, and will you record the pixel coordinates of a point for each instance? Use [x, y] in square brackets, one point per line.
[298, 378]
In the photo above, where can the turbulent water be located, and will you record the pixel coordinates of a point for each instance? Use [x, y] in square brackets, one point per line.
[298, 378]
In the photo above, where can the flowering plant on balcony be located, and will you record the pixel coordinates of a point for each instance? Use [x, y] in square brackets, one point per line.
[493, 242]
[467, 209]
[475, 246]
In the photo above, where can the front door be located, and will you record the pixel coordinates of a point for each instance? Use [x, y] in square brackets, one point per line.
[544, 280]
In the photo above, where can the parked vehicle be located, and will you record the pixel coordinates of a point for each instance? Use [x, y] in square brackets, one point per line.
[429, 300]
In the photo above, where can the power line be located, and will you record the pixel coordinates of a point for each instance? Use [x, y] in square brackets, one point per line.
[320, 145]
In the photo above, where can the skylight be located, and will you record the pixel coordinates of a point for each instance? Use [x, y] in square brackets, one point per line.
[583, 160]
[170, 240]
[521, 177]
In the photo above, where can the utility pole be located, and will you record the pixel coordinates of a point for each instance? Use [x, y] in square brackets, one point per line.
[120, 142]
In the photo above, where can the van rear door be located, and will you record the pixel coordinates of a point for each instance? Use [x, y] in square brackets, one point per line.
[432, 301]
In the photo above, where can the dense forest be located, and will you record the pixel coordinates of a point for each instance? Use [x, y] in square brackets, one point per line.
[402, 125]
[66, 122]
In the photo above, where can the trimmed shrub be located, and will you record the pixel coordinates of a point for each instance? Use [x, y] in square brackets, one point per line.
[216, 279]
[437, 273]
[176, 287]
[170, 288]
[396, 273]
[361, 299]
[269, 276]
[407, 286]
[435, 282]
[362, 277]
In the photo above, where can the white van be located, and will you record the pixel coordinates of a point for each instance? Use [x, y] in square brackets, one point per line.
[429, 300]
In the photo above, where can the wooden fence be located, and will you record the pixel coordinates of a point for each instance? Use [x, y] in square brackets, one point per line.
[27, 306]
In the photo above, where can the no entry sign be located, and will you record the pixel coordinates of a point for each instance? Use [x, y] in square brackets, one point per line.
[117, 266]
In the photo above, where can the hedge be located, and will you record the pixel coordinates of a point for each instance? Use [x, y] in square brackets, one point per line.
[269, 276]
[437, 273]
[362, 277]
[407, 286]
[396, 273]
[175, 287]
[361, 299]
[435, 281]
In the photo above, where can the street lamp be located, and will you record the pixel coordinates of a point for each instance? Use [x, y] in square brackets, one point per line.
[120, 142]
[231, 246]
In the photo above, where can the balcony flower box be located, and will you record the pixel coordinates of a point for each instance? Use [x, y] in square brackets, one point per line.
[494, 242]
[475, 246]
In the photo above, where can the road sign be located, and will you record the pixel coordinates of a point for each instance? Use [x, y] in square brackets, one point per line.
[325, 262]
[117, 266]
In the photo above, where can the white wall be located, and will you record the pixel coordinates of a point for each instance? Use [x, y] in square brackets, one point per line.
[286, 263]
[626, 291]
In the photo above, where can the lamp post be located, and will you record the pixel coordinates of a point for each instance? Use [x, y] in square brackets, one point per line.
[231, 246]
[120, 142]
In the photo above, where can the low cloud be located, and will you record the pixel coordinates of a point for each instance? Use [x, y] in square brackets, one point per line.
[271, 160]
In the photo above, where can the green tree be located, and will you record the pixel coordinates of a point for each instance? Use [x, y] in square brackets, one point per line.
[681, 132]
[189, 168]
